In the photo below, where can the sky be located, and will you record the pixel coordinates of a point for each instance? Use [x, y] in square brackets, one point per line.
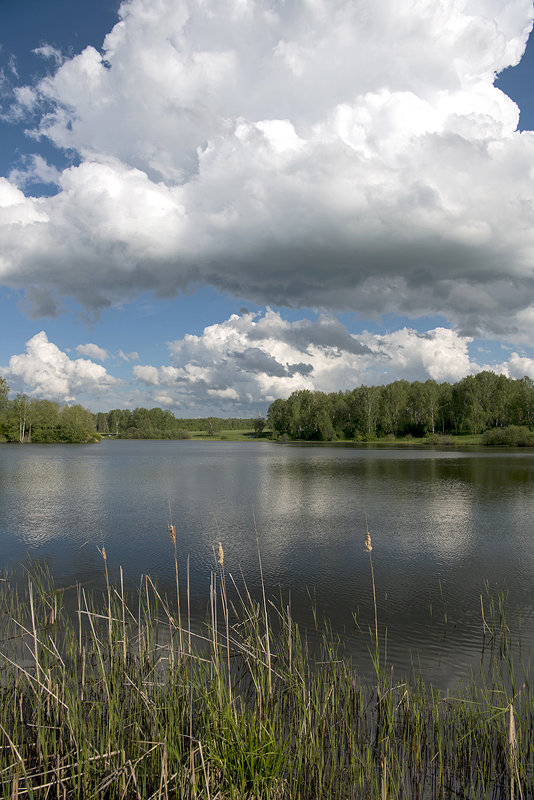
[207, 205]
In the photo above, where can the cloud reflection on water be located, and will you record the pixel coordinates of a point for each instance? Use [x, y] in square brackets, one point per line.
[438, 519]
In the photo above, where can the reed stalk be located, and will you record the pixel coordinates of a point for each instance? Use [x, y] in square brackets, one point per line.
[83, 717]
[369, 548]
[172, 532]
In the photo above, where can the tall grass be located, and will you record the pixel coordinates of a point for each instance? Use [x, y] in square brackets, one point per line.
[124, 699]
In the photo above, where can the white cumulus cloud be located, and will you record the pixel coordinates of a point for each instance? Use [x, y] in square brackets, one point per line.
[517, 366]
[334, 155]
[239, 366]
[92, 351]
[45, 371]
[249, 360]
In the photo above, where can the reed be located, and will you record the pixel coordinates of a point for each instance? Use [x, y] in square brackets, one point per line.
[106, 703]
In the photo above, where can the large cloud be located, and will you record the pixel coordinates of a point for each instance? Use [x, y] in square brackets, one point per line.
[247, 361]
[338, 155]
[239, 366]
[45, 371]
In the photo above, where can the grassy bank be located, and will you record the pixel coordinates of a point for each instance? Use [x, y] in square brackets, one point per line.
[435, 440]
[228, 435]
[123, 699]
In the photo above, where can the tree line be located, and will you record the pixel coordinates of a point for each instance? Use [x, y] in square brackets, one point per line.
[155, 423]
[477, 403]
[25, 419]
[473, 405]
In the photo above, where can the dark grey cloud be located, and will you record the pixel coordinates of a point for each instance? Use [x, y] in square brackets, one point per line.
[39, 302]
[327, 333]
[255, 361]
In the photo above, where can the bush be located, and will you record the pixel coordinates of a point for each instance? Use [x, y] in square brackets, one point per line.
[439, 439]
[512, 436]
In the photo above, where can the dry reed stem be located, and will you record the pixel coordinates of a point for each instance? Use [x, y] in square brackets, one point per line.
[97, 643]
[485, 626]
[172, 531]
[383, 793]
[34, 631]
[224, 602]
[37, 681]
[62, 767]
[369, 547]
[188, 608]
[123, 618]
[204, 769]
[512, 741]
[266, 619]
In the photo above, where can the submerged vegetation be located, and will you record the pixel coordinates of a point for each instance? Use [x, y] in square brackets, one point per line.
[122, 698]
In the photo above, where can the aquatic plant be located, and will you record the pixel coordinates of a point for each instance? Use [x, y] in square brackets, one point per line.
[125, 698]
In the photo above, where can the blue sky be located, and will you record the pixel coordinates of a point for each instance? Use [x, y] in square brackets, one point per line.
[204, 210]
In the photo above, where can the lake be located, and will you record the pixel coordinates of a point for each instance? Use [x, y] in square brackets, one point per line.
[446, 525]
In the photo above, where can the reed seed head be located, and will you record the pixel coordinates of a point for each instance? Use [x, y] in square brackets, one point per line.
[220, 555]
[511, 730]
[368, 545]
[172, 531]
[104, 554]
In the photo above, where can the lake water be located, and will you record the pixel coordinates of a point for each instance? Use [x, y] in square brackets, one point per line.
[445, 525]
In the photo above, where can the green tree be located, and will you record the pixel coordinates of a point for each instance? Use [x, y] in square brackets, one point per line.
[468, 408]
[259, 425]
[4, 392]
[339, 414]
[102, 422]
[44, 417]
[525, 396]
[365, 407]
[75, 424]
[445, 408]
[4, 406]
[278, 416]
[485, 388]
[393, 407]
[23, 412]
[141, 424]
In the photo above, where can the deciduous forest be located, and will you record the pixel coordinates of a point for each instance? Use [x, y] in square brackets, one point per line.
[154, 423]
[25, 419]
[477, 403]
[499, 407]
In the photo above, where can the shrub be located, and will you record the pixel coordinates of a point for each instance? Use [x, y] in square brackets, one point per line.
[440, 439]
[512, 436]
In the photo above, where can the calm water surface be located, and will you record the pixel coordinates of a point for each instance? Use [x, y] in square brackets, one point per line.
[444, 525]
